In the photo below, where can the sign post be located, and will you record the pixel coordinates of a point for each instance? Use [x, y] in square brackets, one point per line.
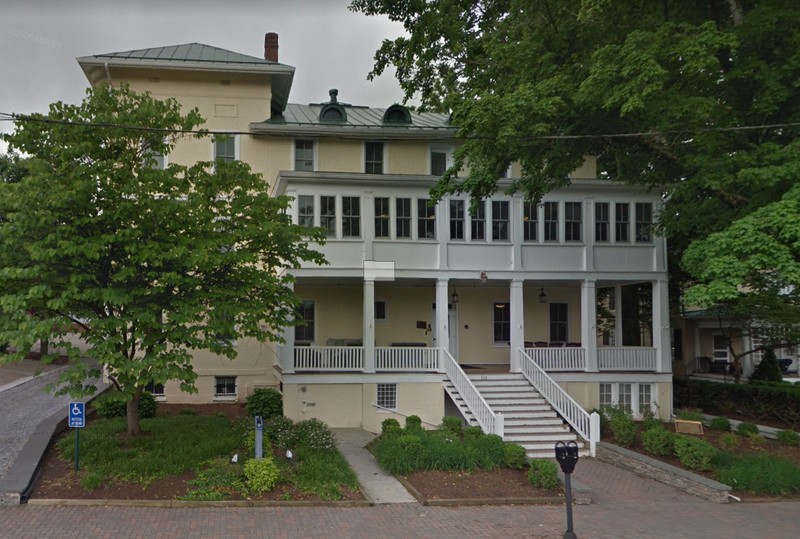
[76, 418]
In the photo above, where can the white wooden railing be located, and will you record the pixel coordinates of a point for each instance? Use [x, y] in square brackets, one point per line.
[328, 358]
[626, 358]
[559, 359]
[585, 424]
[490, 422]
[406, 359]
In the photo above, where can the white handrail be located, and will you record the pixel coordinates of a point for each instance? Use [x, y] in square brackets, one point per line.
[585, 424]
[406, 359]
[490, 422]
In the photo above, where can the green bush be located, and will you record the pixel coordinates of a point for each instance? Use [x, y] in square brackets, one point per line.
[694, 453]
[490, 451]
[249, 443]
[261, 474]
[400, 455]
[622, 426]
[453, 424]
[313, 434]
[413, 424]
[720, 423]
[604, 426]
[760, 474]
[113, 404]
[280, 431]
[389, 423]
[265, 402]
[788, 437]
[650, 421]
[768, 369]
[747, 429]
[473, 432]
[729, 441]
[543, 474]
[514, 456]
[690, 415]
[658, 441]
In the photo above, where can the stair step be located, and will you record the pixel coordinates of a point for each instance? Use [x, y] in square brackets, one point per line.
[540, 438]
[550, 454]
[521, 402]
[533, 422]
[548, 446]
[523, 430]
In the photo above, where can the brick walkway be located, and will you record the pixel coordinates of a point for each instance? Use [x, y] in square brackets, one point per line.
[625, 507]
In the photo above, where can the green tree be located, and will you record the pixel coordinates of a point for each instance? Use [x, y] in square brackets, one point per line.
[698, 98]
[150, 263]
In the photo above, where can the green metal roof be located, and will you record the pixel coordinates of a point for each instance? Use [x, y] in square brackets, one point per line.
[188, 52]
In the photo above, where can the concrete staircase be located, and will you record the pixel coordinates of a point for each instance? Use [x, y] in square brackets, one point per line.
[529, 420]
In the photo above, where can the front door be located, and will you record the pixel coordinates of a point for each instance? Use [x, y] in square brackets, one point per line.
[452, 326]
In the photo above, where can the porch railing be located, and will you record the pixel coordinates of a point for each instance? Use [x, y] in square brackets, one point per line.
[626, 358]
[406, 359]
[559, 359]
[585, 424]
[489, 421]
[328, 358]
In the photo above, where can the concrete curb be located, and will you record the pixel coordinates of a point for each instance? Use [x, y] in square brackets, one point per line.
[196, 504]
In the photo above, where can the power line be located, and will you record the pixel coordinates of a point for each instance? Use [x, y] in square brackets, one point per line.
[13, 117]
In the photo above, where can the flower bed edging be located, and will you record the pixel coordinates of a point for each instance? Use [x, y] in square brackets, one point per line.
[689, 482]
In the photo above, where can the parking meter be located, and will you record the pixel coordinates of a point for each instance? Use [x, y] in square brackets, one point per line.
[259, 437]
[567, 456]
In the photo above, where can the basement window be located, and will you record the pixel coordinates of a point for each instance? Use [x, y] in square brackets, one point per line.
[387, 396]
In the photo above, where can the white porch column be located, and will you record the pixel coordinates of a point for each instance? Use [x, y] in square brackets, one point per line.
[589, 323]
[288, 347]
[442, 332]
[661, 340]
[369, 325]
[617, 315]
[517, 322]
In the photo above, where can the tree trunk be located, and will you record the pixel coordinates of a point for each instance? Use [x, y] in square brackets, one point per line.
[44, 347]
[133, 414]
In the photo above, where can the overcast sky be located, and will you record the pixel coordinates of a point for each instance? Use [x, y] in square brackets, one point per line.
[329, 46]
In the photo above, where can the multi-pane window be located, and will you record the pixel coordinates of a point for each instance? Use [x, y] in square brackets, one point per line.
[304, 155]
[426, 219]
[305, 210]
[373, 157]
[438, 162]
[500, 220]
[558, 322]
[573, 221]
[530, 223]
[403, 217]
[644, 222]
[382, 217]
[720, 351]
[351, 217]
[157, 390]
[625, 397]
[551, 221]
[456, 219]
[645, 398]
[606, 396]
[601, 222]
[225, 148]
[327, 215]
[622, 222]
[304, 332]
[478, 225]
[224, 386]
[387, 396]
[380, 310]
[502, 322]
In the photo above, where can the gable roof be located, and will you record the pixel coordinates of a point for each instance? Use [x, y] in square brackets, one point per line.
[193, 57]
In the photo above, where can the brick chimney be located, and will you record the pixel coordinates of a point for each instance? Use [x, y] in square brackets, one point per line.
[271, 46]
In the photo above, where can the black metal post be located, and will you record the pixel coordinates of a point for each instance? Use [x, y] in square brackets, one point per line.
[569, 534]
[567, 457]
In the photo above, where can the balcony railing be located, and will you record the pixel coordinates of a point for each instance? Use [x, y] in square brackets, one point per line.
[328, 358]
[626, 358]
[558, 359]
[406, 359]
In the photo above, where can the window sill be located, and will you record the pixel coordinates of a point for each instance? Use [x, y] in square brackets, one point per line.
[225, 398]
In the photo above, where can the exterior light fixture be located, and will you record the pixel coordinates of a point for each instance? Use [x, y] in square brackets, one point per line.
[454, 298]
[542, 296]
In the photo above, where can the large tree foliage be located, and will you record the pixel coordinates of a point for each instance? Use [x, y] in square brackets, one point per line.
[148, 263]
[698, 98]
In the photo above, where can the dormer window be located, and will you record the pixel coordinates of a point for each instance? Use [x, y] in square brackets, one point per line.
[397, 114]
[333, 111]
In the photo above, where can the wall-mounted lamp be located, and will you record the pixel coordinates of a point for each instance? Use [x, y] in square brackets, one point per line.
[454, 298]
[542, 296]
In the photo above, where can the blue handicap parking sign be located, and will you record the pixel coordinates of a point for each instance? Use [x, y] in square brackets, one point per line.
[77, 414]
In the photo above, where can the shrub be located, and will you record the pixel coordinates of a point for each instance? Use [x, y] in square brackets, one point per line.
[543, 474]
[690, 415]
[729, 441]
[413, 424]
[514, 456]
[249, 443]
[265, 402]
[747, 429]
[313, 434]
[187, 411]
[658, 441]
[623, 428]
[720, 423]
[604, 426]
[650, 421]
[280, 431]
[760, 474]
[261, 474]
[389, 423]
[473, 432]
[400, 455]
[768, 370]
[453, 424]
[694, 453]
[788, 437]
[490, 451]
[113, 404]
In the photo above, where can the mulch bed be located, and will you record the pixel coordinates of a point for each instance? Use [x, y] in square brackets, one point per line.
[490, 485]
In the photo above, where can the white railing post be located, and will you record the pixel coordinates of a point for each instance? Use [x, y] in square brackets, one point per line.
[499, 424]
[594, 432]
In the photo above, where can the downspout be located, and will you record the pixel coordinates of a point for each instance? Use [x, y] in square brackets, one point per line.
[108, 73]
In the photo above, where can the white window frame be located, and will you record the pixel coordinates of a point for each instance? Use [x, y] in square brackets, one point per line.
[636, 388]
[717, 353]
[159, 396]
[385, 156]
[491, 219]
[313, 154]
[448, 157]
[462, 218]
[384, 392]
[226, 396]
[236, 154]
[389, 218]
